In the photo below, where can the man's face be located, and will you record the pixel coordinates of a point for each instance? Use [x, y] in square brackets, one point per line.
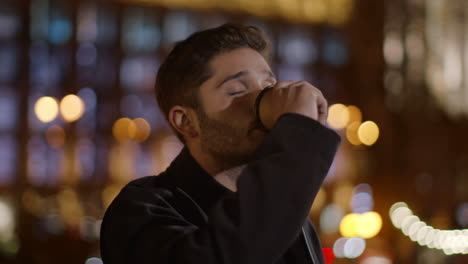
[226, 113]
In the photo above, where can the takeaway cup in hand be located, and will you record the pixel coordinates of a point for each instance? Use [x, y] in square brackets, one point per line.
[290, 97]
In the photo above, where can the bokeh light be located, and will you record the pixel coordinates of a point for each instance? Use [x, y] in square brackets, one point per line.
[369, 225]
[126, 129]
[449, 241]
[328, 255]
[348, 225]
[376, 260]
[93, 261]
[362, 200]
[72, 108]
[429, 238]
[349, 247]
[352, 133]
[363, 187]
[368, 133]
[338, 116]
[355, 114]
[60, 30]
[414, 229]
[330, 218]
[393, 49]
[422, 236]
[121, 129]
[10, 246]
[407, 222]
[140, 131]
[338, 247]
[46, 109]
[396, 206]
[354, 247]
[399, 214]
[315, 11]
[7, 220]
[366, 225]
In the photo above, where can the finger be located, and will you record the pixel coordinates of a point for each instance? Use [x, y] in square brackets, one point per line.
[309, 85]
[320, 111]
[322, 106]
[283, 84]
[312, 105]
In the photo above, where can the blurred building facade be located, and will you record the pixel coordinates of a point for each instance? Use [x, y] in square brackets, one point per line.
[78, 118]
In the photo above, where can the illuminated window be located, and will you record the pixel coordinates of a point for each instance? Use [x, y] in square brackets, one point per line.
[9, 110]
[297, 48]
[8, 62]
[177, 26]
[59, 24]
[140, 30]
[138, 73]
[335, 51]
[10, 23]
[8, 155]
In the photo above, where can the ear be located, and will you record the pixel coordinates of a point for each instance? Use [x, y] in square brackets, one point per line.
[184, 120]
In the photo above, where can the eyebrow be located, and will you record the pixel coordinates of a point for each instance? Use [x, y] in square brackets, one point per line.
[242, 73]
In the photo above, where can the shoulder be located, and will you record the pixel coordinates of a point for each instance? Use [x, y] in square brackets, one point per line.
[141, 201]
[141, 206]
[149, 182]
[149, 189]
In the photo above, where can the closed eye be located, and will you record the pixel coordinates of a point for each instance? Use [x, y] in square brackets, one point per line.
[235, 93]
[239, 87]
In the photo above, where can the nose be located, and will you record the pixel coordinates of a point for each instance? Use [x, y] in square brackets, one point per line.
[252, 96]
[253, 99]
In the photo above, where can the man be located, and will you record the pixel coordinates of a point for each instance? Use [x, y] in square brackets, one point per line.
[238, 192]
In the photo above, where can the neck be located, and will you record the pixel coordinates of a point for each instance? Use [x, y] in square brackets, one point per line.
[220, 171]
[229, 177]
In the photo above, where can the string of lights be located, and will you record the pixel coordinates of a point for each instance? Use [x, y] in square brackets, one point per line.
[450, 241]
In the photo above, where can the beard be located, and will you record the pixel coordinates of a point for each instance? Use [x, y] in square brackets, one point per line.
[230, 144]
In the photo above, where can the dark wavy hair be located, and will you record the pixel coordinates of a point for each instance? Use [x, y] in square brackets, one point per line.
[187, 65]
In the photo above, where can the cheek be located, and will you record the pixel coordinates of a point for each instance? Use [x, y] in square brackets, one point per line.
[216, 104]
[211, 101]
[238, 115]
[243, 107]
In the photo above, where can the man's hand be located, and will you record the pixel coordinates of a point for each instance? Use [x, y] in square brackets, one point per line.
[292, 97]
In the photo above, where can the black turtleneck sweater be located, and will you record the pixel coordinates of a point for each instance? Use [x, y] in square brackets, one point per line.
[185, 216]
